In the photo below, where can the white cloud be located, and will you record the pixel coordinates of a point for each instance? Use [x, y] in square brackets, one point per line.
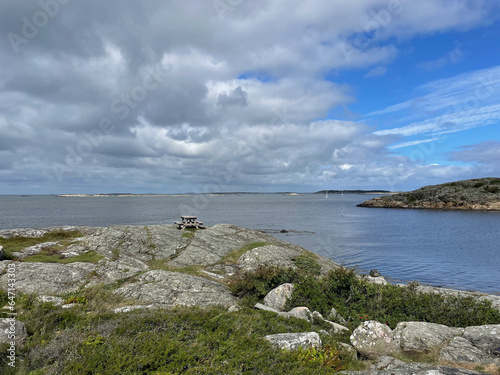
[376, 72]
[245, 87]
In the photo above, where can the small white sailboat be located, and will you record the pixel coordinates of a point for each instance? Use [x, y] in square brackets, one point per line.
[326, 193]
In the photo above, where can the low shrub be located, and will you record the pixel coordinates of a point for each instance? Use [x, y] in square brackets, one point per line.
[356, 300]
[307, 264]
[256, 284]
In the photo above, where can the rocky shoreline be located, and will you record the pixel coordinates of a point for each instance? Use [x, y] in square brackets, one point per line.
[481, 194]
[158, 267]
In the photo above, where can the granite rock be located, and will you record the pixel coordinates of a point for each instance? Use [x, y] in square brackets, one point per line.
[49, 278]
[12, 329]
[462, 350]
[292, 341]
[422, 336]
[170, 289]
[278, 296]
[373, 339]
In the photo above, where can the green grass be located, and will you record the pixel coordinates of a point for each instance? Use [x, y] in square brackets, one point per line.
[188, 234]
[187, 340]
[47, 257]
[15, 244]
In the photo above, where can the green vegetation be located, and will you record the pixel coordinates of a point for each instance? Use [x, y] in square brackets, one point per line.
[14, 244]
[492, 189]
[357, 300]
[51, 257]
[328, 356]
[187, 340]
[308, 264]
[88, 339]
[188, 234]
[478, 184]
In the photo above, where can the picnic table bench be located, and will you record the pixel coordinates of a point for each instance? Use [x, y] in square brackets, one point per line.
[188, 222]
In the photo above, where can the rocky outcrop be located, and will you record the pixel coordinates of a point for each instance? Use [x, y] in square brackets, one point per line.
[471, 345]
[293, 341]
[161, 267]
[422, 336]
[169, 289]
[49, 278]
[475, 194]
[135, 252]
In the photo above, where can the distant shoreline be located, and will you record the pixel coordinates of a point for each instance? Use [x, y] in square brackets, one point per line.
[217, 194]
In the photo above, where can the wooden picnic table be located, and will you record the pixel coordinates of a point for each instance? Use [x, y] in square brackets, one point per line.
[188, 222]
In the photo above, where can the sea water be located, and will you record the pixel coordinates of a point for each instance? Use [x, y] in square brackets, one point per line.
[458, 249]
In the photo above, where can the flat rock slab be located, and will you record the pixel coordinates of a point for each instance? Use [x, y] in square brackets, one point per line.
[417, 369]
[211, 245]
[49, 278]
[169, 289]
[293, 341]
[462, 350]
[486, 337]
[422, 336]
[139, 241]
[269, 255]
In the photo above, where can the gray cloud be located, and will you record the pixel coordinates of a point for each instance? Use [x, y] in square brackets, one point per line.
[111, 93]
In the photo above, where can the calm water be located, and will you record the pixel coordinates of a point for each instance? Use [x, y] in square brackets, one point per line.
[448, 248]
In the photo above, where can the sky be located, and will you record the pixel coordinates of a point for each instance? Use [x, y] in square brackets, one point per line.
[237, 95]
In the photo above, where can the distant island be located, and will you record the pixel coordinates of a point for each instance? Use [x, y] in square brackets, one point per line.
[474, 194]
[353, 192]
[215, 194]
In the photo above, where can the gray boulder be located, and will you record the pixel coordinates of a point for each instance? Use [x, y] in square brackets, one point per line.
[462, 350]
[301, 312]
[380, 280]
[49, 278]
[260, 306]
[374, 273]
[486, 337]
[278, 297]
[416, 369]
[56, 301]
[125, 309]
[293, 341]
[373, 339]
[169, 289]
[12, 330]
[422, 336]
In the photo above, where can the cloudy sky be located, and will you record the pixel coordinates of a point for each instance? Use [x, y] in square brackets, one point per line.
[239, 95]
